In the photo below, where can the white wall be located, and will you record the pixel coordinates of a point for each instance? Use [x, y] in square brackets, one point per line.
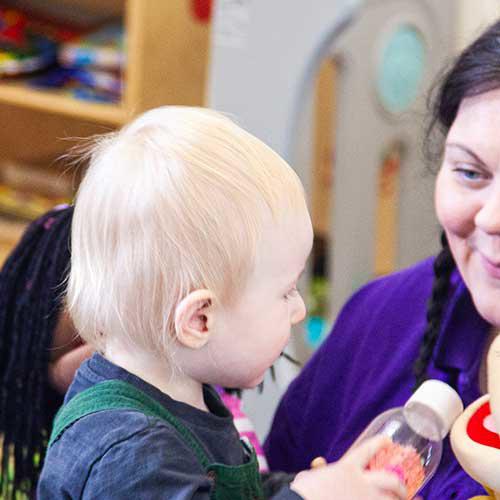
[474, 16]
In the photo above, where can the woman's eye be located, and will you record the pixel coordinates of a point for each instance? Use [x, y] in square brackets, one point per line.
[468, 174]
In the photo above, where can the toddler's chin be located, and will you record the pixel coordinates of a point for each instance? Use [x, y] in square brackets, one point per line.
[254, 383]
[239, 382]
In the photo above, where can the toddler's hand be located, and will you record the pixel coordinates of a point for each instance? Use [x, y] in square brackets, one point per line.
[348, 478]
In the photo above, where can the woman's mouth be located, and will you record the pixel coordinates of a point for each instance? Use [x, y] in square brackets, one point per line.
[492, 268]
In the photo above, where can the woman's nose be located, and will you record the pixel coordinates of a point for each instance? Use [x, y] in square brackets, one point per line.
[488, 216]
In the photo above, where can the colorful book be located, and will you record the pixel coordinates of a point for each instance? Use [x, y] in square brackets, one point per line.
[103, 48]
[28, 43]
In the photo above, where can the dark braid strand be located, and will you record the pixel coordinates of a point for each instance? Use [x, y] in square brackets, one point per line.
[31, 299]
[443, 267]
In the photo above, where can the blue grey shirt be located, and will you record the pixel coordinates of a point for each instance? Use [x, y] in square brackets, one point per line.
[118, 454]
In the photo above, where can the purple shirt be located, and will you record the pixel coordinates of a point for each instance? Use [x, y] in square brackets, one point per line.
[365, 367]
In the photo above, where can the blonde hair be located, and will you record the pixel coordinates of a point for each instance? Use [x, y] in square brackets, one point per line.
[171, 203]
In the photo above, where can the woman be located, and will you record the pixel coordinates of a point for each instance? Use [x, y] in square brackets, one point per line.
[434, 320]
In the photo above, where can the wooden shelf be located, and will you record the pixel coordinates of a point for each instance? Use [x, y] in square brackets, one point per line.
[18, 94]
[167, 54]
[10, 232]
[167, 57]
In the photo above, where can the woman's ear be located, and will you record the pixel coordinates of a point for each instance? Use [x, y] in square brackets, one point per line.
[194, 319]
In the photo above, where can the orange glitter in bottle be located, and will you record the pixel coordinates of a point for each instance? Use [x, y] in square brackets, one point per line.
[403, 461]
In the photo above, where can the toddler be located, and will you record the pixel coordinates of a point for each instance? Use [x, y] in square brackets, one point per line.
[189, 236]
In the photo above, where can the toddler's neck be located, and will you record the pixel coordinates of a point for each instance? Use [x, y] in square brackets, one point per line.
[156, 371]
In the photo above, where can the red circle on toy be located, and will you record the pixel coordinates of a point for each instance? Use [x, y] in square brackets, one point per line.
[477, 430]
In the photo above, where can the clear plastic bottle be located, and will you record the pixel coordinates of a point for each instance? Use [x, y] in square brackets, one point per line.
[416, 431]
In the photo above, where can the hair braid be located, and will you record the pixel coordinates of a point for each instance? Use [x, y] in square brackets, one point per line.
[443, 267]
[31, 294]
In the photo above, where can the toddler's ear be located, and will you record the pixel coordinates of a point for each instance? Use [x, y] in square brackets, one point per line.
[194, 319]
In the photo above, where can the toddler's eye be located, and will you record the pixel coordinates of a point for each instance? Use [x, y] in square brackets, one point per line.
[291, 293]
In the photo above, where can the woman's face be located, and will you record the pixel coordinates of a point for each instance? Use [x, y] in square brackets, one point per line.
[468, 199]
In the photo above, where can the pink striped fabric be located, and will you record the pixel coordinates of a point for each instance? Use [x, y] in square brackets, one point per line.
[244, 426]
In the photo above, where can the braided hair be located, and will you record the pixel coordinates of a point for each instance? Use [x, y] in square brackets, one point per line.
[475, 71]
[443, 267]
[31, 297]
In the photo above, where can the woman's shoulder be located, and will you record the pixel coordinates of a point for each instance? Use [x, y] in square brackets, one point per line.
[386, 311]
[413, 280]
[396, 291]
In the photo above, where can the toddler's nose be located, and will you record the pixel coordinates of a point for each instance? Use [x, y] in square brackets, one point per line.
[299, 312]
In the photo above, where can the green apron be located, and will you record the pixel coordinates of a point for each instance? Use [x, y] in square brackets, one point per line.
[241, 482]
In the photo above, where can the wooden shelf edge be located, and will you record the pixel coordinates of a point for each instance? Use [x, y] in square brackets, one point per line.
[52, 102]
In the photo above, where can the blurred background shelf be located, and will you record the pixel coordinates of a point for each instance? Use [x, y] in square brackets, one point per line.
[10, 232]
[56, 102]
[166, 51]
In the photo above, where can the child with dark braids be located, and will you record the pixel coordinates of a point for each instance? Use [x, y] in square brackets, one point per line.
[39, 349]
[178, 279]
[436, 319]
